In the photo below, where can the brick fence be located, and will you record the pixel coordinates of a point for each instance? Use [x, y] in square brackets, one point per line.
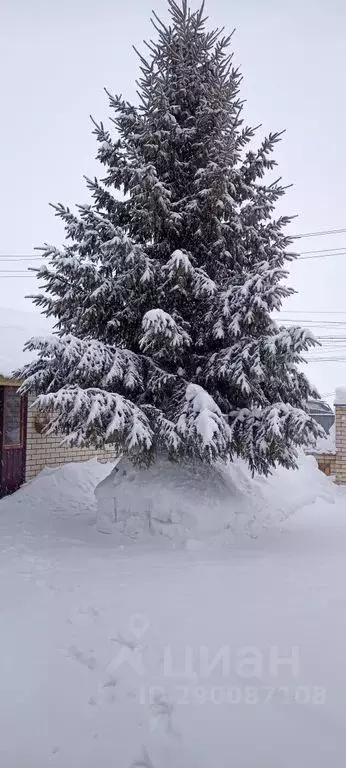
[47, 451]
[340, 441]
[326, 463]
[333, 462]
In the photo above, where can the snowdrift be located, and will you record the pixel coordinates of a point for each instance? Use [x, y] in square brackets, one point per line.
[167, 505]
[191, 503]
[66, 491]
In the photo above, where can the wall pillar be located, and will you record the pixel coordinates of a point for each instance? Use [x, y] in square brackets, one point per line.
[340, 436]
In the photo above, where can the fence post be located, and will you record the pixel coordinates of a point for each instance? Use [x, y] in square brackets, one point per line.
[340, 435]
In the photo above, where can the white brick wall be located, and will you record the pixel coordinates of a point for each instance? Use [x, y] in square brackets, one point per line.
[340, 439]
[43, 451]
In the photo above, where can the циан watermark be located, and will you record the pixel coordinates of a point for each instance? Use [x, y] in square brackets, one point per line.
[234, 695]
[258, 672]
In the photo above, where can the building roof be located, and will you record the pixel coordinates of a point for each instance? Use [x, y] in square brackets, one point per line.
[6, 381]
[320, 407]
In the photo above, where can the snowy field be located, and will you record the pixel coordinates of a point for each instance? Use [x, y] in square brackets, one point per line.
[221, 648]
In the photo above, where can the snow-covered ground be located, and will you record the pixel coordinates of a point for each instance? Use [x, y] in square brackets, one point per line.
[220, 648]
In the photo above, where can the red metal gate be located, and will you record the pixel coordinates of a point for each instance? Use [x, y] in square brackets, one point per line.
[13, 415]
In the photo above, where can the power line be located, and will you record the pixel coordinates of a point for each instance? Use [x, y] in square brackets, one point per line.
[21, 272]
[16, 275]
[325, 320]
[324, 250]
[314, 255]
[303, 256]
[327, 360]
[314, 321]
[320, 234]
[20, 258]
[320, 256]
[314, 312]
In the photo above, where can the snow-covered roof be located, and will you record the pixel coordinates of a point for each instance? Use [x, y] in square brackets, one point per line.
[326, 444]
[319, 407]
[340, 396]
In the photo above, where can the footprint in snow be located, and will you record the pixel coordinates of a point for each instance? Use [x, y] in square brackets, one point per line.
[162, 715]
[82, 658]
[91, 611]
[84, 612]
[144, 761]
[54, 753]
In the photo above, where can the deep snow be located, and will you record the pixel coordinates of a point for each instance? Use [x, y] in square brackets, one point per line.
[92, 623]
[209, 506]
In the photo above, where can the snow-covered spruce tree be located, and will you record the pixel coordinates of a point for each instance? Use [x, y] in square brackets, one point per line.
[163, 294]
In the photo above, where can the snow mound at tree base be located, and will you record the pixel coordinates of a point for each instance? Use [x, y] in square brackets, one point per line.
[191, 503]
[59, 492]
[72, 485]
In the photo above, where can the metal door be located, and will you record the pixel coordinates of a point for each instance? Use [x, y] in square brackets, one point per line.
[13, 414]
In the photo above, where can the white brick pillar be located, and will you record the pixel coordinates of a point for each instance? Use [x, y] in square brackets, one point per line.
[340, 436]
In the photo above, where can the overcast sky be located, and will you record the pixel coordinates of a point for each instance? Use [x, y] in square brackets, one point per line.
[57, 55]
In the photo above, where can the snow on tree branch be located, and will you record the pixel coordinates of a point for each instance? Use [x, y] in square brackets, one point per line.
[202, 424]
[270, 436]
[95, 417]
[68, 360]
[162, 335]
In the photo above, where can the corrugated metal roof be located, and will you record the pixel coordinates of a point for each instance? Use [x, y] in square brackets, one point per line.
[319, 407]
